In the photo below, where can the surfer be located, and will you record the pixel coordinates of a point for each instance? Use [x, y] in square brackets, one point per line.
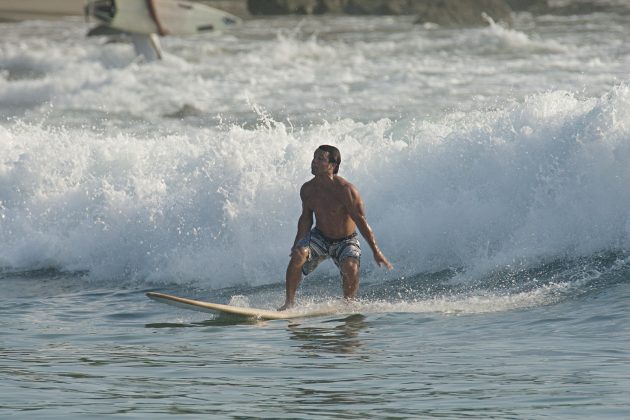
[338, 210]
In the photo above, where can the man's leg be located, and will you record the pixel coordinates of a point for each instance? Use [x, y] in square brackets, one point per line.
[350, 277]
[299, 256]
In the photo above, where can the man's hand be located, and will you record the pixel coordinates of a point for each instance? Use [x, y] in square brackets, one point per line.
[382, 261]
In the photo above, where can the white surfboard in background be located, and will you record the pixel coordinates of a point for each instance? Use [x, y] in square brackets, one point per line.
[145, 19]
[163, 17]
[142, 20]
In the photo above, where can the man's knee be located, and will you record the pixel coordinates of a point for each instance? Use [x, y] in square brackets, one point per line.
[299, 255]
[350, 267]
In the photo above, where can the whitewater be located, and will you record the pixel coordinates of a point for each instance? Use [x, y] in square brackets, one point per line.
[493, 163]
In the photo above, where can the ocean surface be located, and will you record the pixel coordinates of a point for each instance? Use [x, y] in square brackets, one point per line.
[495, 167]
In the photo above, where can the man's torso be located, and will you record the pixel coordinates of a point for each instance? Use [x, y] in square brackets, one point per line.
[330, 205]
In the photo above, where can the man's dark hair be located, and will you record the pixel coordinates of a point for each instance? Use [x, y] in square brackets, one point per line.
[334, 156]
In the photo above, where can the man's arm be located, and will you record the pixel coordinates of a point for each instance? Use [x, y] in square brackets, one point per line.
[356, 210]
[305, 221]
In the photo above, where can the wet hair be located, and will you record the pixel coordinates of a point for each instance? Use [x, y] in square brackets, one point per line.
[334, 156]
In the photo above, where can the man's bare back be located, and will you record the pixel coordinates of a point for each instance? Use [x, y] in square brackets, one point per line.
[338, 209]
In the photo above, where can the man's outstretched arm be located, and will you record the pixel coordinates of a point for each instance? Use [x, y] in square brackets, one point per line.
[356, 210]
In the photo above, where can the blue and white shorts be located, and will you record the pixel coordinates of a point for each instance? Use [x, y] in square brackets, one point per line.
[321, 247]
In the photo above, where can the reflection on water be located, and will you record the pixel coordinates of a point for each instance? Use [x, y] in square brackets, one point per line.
[213, 322]
[342, 338]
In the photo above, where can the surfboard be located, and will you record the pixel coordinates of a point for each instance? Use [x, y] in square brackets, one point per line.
[163, 17]
[218, 308]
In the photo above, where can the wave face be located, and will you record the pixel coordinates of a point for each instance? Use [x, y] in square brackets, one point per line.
[476, 151]
[529, 183]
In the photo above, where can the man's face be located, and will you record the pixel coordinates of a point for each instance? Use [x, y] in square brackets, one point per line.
[320, 163]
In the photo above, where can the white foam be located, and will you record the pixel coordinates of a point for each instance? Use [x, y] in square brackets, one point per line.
[473, 148]
[496, 35]
[478, 303]
[536, 181]
[327, 69]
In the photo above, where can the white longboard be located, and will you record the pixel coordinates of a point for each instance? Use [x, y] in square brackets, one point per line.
[163, 17]
[218, 308]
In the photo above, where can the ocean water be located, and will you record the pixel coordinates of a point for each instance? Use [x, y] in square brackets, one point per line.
[494, 163]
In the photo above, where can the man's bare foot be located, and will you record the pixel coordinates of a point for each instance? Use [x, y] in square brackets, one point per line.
[286, 306]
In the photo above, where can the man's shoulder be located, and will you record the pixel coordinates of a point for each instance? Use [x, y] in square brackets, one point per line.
[307, 188]
[308, 184]
[344, 184]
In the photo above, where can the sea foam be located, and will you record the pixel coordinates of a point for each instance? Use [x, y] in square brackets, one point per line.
[530, 182]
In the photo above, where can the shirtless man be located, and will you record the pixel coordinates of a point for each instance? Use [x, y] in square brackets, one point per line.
[338, 210]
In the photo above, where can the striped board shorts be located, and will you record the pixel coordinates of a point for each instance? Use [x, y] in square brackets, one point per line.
[321, 248]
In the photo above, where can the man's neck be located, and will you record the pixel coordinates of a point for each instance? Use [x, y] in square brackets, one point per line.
[324, 178]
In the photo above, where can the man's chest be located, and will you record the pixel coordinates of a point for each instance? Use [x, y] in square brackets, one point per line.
[326, 205]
